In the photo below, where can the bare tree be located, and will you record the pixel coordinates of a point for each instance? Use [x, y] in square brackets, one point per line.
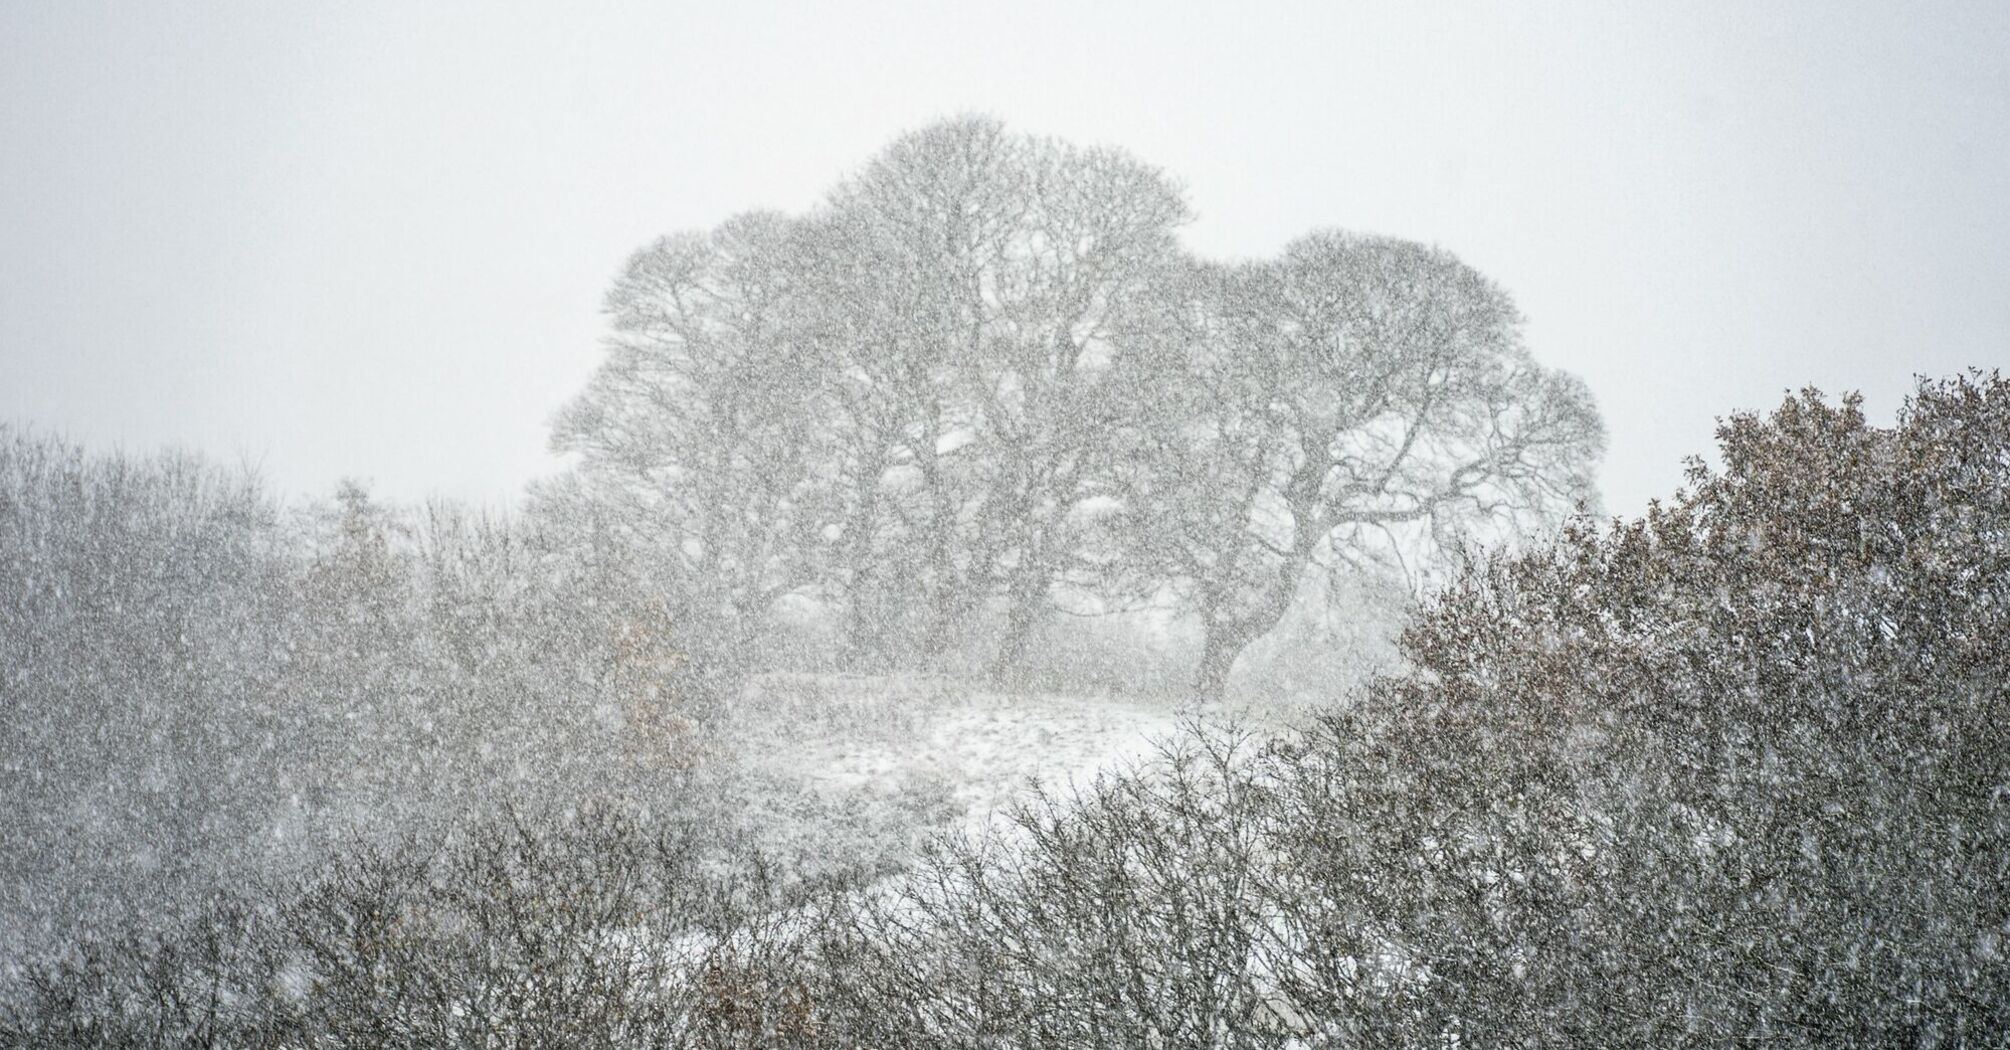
[987, 270]
[699, 436]
[1358, 395]
[917, 401]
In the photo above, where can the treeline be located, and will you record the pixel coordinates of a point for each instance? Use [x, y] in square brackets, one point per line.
[1730, 774]
[982, 380]
[198, 685]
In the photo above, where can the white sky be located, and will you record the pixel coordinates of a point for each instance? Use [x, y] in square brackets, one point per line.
[371, 239]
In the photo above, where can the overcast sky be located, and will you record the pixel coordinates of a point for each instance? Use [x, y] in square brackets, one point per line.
[370, 239]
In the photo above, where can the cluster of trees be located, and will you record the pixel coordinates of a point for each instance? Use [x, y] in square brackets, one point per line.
[1726, 775]
[1731, 774]
[200, 685]
[983, 378]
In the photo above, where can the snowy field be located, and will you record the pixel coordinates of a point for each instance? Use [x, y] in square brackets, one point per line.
[862, 768]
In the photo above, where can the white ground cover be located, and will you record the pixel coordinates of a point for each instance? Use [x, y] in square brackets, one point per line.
[832, 770]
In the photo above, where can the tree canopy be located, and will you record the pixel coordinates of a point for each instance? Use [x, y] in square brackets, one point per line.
[983, 374]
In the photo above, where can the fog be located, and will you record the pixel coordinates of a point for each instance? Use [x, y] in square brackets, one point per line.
[372, 239]
[638, 527]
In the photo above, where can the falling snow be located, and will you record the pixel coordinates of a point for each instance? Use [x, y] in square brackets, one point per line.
[968, 617]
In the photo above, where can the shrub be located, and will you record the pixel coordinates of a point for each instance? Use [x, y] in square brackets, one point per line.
[1733, 773]
[593, 930]
[197, 688]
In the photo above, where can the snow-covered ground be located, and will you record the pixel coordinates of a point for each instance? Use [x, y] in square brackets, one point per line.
[985, 747]
[836, 769]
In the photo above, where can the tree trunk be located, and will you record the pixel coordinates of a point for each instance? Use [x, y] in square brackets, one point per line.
[1220, 646]
[865, 628]
[865, 632]
[940, 590]
[945, 612]
[1225, 636]
[1021, 613]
